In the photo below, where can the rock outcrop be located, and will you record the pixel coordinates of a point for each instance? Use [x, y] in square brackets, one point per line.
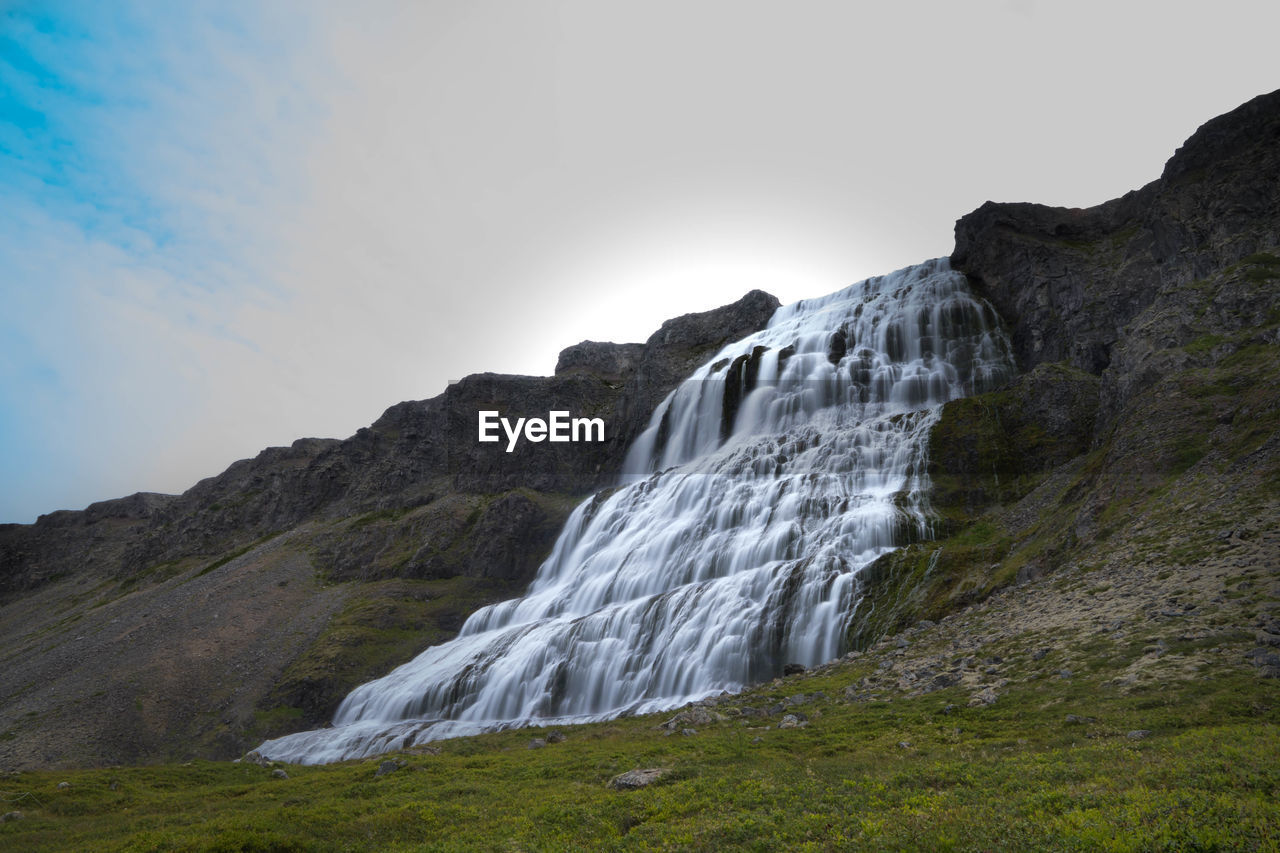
[1070, 282]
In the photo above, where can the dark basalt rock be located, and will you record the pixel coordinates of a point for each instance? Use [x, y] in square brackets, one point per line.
[1070, 281]
[605, 360]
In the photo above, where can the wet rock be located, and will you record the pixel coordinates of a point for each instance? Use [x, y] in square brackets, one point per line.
[638, 778]
[793, 669]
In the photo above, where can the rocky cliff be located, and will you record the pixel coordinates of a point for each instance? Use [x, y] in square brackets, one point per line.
[1086, 287]
[1144, 425]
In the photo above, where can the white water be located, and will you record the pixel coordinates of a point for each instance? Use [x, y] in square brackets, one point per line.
[732, 549]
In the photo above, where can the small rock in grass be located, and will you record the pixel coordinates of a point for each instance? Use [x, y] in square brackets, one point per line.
[8, 816]
[387, 767]
[985, 696]
[555, 737]
[537, 743]
[637, 778]
[792, 721]
[279, 774]
[255, 757]
[1138, 734]
[63, 786]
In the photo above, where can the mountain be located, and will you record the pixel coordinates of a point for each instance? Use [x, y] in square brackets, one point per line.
[1138, 446]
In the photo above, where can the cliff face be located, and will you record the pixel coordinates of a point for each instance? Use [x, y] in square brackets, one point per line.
[1105, 289]
[1144, 426]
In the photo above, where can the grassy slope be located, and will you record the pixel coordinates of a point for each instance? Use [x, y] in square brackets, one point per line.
[925, 772]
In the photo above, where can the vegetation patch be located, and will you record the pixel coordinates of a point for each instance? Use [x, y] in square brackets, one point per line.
[384, 624]
[927, 772]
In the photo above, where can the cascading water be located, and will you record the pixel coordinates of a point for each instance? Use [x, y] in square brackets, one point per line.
[763, 484]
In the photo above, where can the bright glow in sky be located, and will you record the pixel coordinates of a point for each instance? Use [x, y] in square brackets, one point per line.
[227, 225]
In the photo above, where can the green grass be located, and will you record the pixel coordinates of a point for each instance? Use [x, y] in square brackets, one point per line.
[1011, 776]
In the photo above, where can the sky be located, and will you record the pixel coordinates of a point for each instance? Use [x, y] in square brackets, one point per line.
[227, 225]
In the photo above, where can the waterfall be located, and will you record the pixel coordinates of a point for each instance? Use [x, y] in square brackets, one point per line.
[762, 486]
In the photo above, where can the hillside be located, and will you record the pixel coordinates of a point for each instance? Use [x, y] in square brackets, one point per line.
[1087, 653]
[252, 603]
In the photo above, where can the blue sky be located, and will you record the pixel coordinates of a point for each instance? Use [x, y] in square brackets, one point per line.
[137, 160]
[229, 225]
